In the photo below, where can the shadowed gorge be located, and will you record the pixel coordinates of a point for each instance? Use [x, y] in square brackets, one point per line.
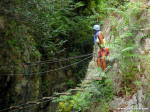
[48, 60]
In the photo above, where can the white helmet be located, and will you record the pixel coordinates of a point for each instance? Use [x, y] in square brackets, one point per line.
[96, 27]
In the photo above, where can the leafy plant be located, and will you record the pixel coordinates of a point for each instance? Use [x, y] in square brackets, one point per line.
[96, 92]
[125, 27]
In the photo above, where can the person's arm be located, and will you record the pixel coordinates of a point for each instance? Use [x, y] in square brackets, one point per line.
[101, 37]
[101, 41]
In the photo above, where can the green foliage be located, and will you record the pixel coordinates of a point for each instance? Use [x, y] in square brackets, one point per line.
[70, 83]
[124, 44]
[124, 35]
[97, 7]
[14, 42]
[47, 27]
[51, 26]
[45, 87]
[95, 92]
[54, 26]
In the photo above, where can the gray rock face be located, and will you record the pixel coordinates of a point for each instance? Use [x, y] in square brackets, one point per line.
[129, 104]
[139, 101]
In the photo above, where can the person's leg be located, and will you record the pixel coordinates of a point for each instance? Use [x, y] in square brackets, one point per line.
[104, 63]
[99, 62]
[99, 59]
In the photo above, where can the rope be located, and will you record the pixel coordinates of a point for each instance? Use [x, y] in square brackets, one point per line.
[52, 70]
[22, 106]
[58, 60]
[4, 109]
[36, 104]
[29, 104]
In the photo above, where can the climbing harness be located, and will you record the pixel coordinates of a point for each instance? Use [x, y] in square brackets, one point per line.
[101, 59]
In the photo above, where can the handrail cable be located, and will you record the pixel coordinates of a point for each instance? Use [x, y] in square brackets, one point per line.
[57, 60]
[39, 101]
[52, 70]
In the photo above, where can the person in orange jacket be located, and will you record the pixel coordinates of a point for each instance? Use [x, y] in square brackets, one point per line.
[103, 52]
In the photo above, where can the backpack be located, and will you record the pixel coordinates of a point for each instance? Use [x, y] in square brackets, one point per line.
[106, 51]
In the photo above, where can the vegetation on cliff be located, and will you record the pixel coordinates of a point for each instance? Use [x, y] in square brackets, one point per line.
[32, 31]
[125, 24]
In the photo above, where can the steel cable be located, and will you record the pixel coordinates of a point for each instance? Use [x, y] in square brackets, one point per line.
[58, 60]
[52, 70]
